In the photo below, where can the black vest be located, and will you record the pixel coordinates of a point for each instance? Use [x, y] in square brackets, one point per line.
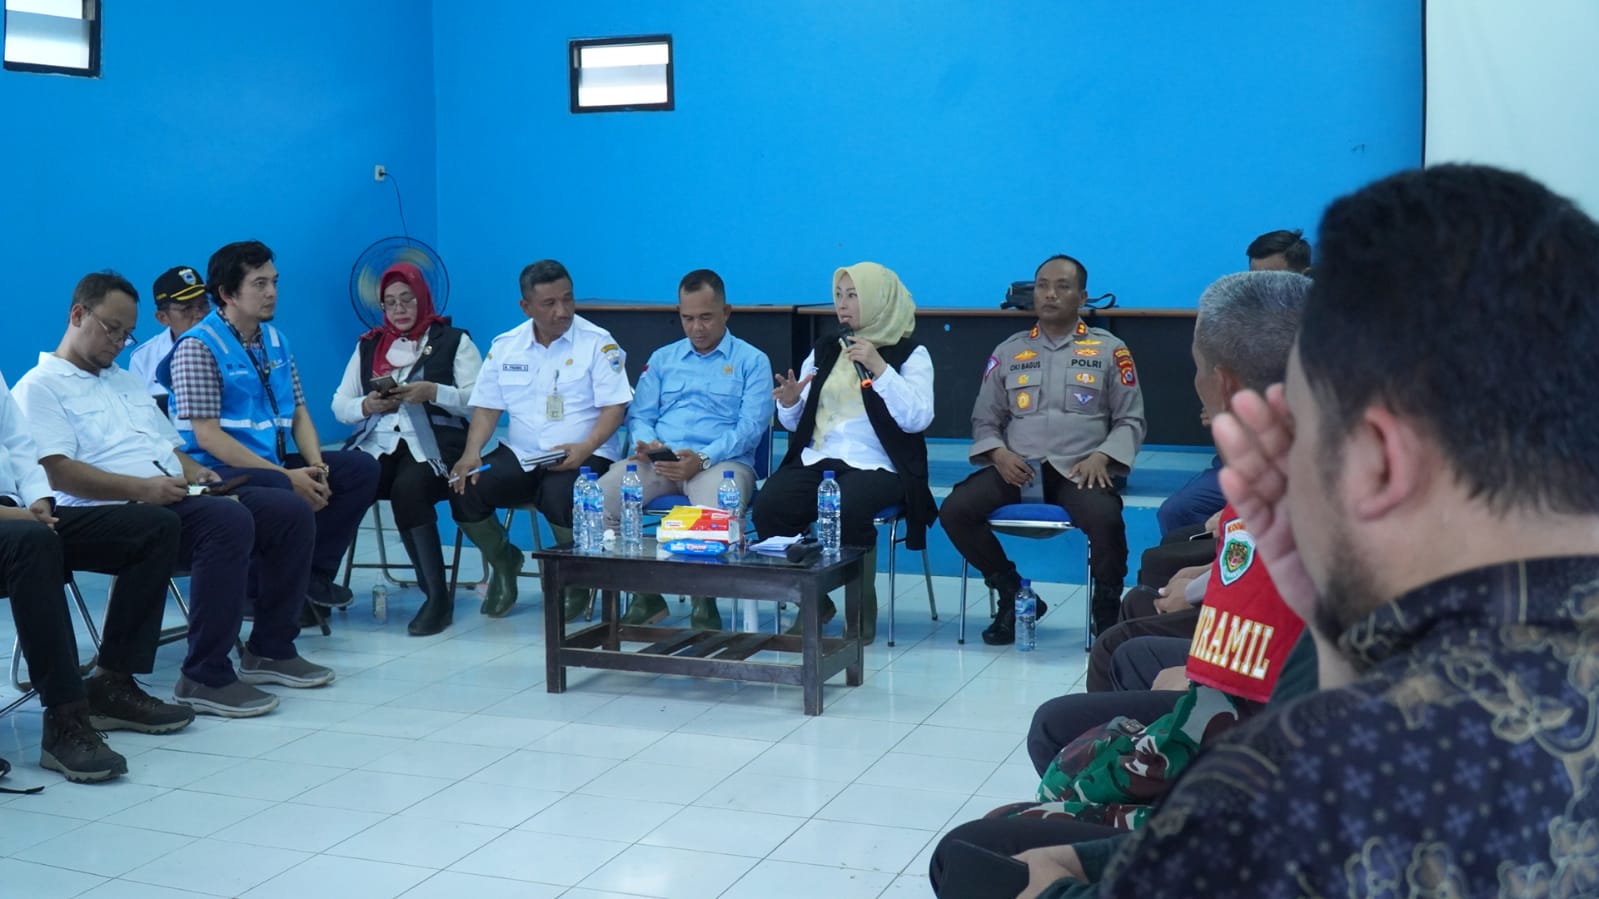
[437, 365]
[908, 452]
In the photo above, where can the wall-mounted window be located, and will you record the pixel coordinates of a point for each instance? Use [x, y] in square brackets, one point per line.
[60, 36]
[622, 74]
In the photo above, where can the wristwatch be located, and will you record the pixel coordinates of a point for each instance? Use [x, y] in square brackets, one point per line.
[705, 461]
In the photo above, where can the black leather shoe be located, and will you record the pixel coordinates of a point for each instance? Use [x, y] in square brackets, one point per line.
[1003, 631]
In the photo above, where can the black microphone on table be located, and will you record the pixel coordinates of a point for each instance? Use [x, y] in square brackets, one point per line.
[844, 334]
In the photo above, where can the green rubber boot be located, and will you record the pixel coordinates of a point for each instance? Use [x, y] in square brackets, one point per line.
[706, 616]
[645, 608]
[504, 561]
[577, 599]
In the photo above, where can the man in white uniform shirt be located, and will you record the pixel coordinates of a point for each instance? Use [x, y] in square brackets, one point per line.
[562, 379]
[180, 303]
[103, 443]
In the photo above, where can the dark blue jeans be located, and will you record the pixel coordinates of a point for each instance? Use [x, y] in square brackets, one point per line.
[353, 476]
[269, 528]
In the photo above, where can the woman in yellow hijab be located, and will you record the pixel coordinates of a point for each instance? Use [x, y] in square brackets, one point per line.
[867, 430]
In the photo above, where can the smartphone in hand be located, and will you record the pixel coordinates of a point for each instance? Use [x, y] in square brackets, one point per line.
[662, 455]
[384, 385]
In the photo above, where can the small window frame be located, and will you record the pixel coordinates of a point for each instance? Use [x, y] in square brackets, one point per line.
[94, 14]
[574, 51]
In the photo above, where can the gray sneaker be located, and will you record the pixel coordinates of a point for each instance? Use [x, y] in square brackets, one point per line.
[295, 672]
[235, 700]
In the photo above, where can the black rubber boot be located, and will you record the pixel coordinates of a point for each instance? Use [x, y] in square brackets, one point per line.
[1003, 631]
[427, 557]
[1106, 602]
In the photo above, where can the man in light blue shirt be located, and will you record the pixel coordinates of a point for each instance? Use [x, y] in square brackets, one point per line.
[706, 399]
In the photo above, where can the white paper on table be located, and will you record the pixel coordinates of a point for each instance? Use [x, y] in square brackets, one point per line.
[774, 546]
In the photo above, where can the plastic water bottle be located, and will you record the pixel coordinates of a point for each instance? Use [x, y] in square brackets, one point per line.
[594, 513]
[580, 519]
[1026, 617]
[380, 603]
[828, 499]
[730, 499]
[632, 509]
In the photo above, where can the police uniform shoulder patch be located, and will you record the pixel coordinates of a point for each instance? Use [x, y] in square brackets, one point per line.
[1124, 365]
[1237, 551]
[1033, 334]
[1082, 329]
[993, 363]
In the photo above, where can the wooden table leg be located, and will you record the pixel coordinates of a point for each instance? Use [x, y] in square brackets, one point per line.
[554, 625]
[854, 673]
[810, 613]
[611, 615]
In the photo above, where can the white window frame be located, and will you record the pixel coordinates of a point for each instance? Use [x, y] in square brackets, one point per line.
[52, 36]
[623, 74]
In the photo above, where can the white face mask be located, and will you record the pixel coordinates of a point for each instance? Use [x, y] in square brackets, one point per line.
[402, 352]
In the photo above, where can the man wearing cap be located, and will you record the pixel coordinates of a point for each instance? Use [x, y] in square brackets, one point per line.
[103, 443]
[180, 303]
[1059, 402]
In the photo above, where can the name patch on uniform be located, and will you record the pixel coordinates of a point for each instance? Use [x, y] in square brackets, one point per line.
[1025, 355]
[1027, 366]
[1084, 377]
[513, 366]
[1087, 363]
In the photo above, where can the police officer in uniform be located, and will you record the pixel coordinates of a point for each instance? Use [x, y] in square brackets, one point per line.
[1064, 396]
[562, 379]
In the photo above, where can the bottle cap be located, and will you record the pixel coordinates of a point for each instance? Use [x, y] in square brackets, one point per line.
[632, 466]
[727, 476]
[1026, 583]
[826, 475]
[584, 470]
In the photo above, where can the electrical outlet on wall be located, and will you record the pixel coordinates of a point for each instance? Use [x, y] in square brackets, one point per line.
[379, 173]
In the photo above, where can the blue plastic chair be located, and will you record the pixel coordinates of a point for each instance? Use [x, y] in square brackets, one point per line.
[1035, 521]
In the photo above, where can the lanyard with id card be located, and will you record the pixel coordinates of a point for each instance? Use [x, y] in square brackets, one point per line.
[554, 409]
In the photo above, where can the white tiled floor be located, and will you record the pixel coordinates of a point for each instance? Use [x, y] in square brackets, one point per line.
[440, 767]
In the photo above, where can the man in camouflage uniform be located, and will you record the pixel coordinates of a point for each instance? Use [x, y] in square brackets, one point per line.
[1064, 396]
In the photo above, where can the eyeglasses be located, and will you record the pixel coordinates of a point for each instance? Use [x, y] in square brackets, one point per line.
[123, 338]
[400, 303]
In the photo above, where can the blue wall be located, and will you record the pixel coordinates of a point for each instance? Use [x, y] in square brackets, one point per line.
[958, 142]
[216, 122]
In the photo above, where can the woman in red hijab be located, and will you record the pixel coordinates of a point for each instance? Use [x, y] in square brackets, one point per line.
[416, 425]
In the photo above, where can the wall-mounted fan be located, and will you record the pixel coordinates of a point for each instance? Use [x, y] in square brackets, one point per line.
[376, 259]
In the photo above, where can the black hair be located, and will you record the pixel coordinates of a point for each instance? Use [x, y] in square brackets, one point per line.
[1082, 270]
[1291, 245]
[1463, 297]
[701, 278]
[545, 271]
[93, 288]
[226, 270]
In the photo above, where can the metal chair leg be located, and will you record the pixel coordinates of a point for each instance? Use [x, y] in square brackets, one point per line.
[893, 544]
[84, 668]
[927, 575]
[961, 633]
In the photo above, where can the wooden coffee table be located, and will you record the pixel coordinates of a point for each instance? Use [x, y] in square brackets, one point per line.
[692, 651]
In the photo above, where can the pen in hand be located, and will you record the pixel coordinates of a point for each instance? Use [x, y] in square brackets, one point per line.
[481, 468]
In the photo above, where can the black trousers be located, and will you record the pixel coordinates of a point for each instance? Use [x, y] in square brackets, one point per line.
[1182, 548]
[1140, 618]
[1096, 512]
[1065, 718]
[505, 485]
[1139, 661]
[413, 490]
[786, 505]
[137, 543]
[1008, 836]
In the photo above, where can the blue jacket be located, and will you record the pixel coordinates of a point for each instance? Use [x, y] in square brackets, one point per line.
[257, 404]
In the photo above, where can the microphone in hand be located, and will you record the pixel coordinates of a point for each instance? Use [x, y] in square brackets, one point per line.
[844, 336]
